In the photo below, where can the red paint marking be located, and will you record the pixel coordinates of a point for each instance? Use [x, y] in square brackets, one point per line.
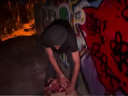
[112, 73]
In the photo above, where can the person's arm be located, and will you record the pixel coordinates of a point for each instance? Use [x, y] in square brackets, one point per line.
[53, 61]
[63, 80]
[76, 58]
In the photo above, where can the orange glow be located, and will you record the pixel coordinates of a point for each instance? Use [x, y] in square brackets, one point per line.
[21, 32]
[44, 1]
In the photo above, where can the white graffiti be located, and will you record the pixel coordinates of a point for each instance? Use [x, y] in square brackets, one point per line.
[64, 5]
[79, 14]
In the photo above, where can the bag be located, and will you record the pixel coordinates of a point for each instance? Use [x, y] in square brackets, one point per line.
[53, 88]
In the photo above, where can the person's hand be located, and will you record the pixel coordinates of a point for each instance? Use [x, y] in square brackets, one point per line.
[69, 89]
[64, 82]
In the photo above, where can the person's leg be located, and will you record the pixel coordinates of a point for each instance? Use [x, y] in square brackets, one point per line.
[50, 71]
[72, 64]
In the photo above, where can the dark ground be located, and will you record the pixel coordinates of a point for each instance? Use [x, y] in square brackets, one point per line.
[22, 66]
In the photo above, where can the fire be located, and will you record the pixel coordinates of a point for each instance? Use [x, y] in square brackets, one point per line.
[21, 32]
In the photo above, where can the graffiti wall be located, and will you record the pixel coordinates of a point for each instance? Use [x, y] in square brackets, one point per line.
[101, 31]
[107, 40]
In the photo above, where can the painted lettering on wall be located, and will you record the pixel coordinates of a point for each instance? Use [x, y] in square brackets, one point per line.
[107, 38]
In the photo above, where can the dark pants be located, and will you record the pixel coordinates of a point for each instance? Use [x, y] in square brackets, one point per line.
[50, 72]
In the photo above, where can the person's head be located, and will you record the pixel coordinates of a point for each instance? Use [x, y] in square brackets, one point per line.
[55, 36]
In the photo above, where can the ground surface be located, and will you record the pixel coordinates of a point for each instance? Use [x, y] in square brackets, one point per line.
[22, 66]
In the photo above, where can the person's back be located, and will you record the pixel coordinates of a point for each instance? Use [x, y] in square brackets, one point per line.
[69, 42]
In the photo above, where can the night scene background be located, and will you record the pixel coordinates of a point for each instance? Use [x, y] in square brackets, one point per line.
[101, 32]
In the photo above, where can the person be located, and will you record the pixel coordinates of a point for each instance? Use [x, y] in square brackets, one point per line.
[59, 38]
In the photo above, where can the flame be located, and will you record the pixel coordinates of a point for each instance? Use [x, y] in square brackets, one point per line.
[21, 32]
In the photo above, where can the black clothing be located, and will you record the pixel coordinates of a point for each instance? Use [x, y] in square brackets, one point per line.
[69, 43]
[50, 71]
[51, 36]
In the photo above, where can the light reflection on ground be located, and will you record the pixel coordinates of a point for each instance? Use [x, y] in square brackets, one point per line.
[26, 30]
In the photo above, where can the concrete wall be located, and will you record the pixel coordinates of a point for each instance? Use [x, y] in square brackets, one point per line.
[101, 31]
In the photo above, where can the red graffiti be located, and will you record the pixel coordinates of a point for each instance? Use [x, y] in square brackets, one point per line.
[106, 30]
